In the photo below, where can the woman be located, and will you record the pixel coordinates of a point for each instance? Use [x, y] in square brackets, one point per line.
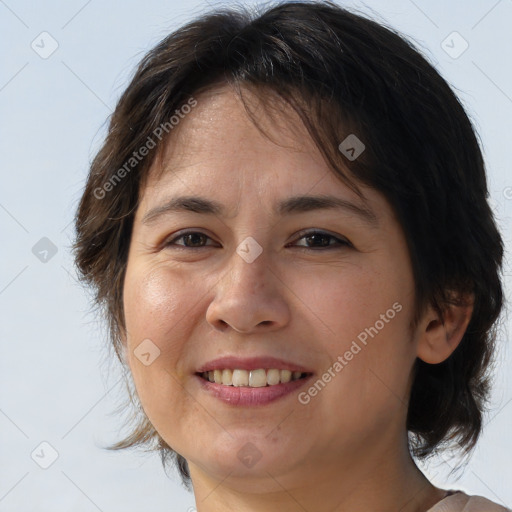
[288, 228]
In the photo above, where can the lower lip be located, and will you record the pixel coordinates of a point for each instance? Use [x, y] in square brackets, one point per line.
[244, 395]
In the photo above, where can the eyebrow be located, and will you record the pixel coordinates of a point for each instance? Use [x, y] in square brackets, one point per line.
[291, 205]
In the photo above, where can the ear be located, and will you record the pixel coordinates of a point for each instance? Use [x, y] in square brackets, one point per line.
[439, 335]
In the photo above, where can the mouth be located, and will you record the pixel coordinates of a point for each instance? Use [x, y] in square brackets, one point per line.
[249, 382]
[258, 378]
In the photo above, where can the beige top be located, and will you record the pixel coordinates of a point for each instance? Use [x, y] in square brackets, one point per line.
[461, 502]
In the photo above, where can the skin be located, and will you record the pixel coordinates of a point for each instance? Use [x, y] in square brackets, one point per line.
[295, 302]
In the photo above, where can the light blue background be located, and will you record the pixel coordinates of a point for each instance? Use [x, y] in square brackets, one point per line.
[56, 383]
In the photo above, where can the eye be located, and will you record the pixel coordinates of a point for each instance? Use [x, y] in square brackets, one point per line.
[322, 239]
[317, 239]
[194, 238]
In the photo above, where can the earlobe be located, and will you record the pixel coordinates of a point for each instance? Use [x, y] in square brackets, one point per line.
[440, 334]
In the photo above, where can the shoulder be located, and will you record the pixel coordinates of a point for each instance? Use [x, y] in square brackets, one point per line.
[462, 502]
[481, 504]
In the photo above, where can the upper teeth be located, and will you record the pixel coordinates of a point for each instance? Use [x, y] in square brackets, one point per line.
[253, 378]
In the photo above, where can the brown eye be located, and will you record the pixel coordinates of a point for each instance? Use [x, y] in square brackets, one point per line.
[313, 240]
[191, 240]
[321, 239]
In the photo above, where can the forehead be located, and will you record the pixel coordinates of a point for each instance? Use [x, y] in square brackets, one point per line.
[221, 151]
[224, 130]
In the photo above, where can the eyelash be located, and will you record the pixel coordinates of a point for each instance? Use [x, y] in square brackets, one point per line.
[341, 241]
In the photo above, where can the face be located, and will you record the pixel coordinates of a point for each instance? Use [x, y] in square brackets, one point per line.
[322, 292]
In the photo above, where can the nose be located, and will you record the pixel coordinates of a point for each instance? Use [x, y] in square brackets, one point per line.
[249, 297]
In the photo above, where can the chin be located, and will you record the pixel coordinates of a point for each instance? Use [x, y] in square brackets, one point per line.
[263, 477]
[249, 458]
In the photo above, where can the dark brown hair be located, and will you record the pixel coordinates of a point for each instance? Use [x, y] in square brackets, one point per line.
[344, 74]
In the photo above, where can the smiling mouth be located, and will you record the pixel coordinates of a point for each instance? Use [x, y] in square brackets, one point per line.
[252, 378]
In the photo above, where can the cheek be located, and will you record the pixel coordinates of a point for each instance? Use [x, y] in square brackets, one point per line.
[155, 297]
[159, 306]
[148, 298]
[159, 313]
[346, 303]
[362, 320]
